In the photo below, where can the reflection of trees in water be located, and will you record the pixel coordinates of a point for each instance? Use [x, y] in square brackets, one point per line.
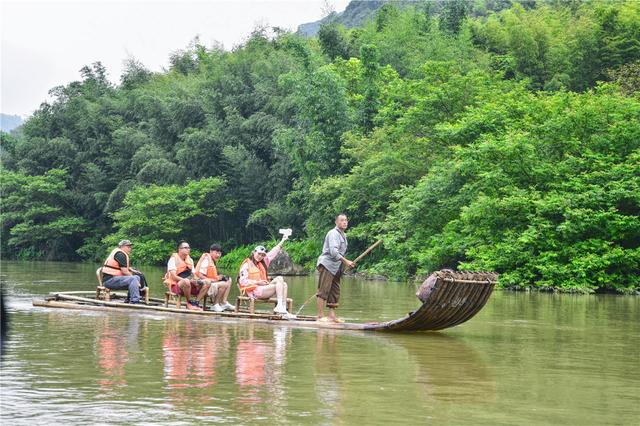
[4, 317]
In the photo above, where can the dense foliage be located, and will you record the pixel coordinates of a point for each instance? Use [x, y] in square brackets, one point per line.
[495, 135]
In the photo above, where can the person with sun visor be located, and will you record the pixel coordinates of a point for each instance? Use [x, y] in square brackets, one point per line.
[254, 281]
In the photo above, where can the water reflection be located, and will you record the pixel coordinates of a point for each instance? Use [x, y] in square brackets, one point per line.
[448, 369]
[111, 353]
[327, 381]
[190, 353]
[571, 358]
[259, 365]
[396, 372]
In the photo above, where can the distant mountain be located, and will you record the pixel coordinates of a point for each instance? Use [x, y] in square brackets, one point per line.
[10, 122]
[359, 11]
[356, 14]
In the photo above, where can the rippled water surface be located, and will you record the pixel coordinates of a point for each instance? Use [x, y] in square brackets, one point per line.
[524, 359]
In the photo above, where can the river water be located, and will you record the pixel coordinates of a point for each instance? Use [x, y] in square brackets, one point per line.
[524, 359]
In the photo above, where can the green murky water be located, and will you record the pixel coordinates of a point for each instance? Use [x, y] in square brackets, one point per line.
[525, 359]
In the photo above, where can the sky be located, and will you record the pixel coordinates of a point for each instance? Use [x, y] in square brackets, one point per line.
[45, 43]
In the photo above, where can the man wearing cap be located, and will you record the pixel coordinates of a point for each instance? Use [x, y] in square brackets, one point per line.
[220, 285]
[117, 274]
[255, 283]
[330, 265]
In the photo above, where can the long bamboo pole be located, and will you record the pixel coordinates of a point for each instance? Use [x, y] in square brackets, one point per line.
[367, 251]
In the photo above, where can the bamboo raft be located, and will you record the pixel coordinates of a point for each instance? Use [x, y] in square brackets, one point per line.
[455, 298]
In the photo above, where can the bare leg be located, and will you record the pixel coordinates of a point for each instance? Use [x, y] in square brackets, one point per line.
[332, 314]
[209, 283]
[220, 294]
[281, 294]
[203, 291]
[320, 305]
[227, 290]
[267, 291]
[281, 290]
[185, 286]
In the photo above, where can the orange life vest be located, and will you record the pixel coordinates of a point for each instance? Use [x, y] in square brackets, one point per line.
[111, 265]
[212, 271]
[256, 272]
[181, 266]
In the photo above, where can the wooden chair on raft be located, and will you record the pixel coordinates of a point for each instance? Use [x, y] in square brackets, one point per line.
[249, 303]
[104, 293]
[171, 297]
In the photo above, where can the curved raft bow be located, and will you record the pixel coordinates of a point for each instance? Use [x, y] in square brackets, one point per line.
[456, 297]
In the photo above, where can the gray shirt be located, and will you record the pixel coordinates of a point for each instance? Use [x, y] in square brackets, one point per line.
[334, 248]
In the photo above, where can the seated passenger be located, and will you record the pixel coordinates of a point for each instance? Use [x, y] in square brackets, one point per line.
[180, 277]
[255, 283]
[219, 284]
[117, 274]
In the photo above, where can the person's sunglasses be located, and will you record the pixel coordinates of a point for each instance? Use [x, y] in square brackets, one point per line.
[185, 247]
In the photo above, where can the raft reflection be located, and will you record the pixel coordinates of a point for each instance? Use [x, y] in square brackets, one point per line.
[392, 371]
[190, 353]
[267, 372]
[112, 354]
[259, 366]
[448, 369]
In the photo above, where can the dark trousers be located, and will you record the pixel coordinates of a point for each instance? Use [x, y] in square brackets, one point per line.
[143, 280]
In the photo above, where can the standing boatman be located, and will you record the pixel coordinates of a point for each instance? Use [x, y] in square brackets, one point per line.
[331, 264]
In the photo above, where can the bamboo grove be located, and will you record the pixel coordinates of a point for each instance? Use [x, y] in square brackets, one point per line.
[495, 135]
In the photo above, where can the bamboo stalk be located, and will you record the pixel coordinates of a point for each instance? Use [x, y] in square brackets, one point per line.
[468, 281]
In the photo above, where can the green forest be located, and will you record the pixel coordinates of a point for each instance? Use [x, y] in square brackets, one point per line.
[495, 135]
